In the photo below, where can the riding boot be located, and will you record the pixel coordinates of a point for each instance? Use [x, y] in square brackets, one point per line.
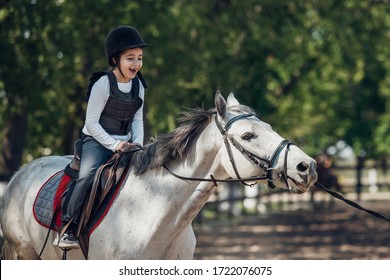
[65, 228]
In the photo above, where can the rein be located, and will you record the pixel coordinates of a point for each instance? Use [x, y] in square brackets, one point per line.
[352, 203]
[212, 178]
[329, 191]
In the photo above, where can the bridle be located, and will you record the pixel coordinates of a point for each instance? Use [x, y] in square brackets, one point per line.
[266, 164]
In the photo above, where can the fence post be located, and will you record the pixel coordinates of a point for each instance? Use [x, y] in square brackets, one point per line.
[384, 168]
[359, 169]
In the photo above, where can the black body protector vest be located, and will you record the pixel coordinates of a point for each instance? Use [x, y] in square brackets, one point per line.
[118, 114]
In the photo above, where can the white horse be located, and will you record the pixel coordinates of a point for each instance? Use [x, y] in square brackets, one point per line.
[152, 214]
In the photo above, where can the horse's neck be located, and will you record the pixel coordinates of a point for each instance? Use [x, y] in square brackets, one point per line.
[205, 163]
[167, 205]
[169, 202]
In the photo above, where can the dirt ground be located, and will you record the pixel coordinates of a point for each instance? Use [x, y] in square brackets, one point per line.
[327, 230]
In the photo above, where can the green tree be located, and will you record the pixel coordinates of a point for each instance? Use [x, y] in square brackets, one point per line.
[25, 72]
[316, 70]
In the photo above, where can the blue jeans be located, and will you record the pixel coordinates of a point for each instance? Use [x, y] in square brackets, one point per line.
[92, 157]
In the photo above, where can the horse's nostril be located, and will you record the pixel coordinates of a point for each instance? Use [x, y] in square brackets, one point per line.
[303, 166]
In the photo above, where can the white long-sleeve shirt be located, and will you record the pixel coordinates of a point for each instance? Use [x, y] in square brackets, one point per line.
[97, 101]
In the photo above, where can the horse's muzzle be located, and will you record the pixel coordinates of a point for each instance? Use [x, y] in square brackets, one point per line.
[307, 172]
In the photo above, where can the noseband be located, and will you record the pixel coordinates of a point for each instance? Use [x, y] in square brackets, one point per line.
[266, 164]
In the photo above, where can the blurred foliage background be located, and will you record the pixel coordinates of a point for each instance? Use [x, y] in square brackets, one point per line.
[318, 71]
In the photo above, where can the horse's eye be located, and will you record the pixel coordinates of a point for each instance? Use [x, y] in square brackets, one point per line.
[247, 136]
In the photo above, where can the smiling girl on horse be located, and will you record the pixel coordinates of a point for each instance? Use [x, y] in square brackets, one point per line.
[113, 122]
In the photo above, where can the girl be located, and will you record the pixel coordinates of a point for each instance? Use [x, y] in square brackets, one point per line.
[114, 119]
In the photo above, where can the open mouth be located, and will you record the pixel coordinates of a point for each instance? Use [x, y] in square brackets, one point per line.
[295, 186]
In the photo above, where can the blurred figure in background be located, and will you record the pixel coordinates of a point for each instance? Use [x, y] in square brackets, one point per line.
[326, 175]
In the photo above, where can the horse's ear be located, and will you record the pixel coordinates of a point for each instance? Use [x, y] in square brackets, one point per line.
[220, 104]
[231, 100]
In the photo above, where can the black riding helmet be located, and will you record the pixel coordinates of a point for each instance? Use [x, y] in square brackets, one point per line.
[122, 38]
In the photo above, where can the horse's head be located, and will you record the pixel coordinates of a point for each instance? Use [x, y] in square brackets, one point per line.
[254, 152]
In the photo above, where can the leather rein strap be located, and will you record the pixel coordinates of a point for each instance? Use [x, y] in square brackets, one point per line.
[352, 203]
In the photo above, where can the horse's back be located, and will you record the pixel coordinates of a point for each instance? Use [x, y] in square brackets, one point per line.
[30, 178]
[16, 217]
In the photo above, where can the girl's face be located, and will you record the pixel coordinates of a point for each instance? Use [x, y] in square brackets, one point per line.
[130, 63]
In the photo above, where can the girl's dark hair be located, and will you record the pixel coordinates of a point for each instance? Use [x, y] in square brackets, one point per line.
[116, 59]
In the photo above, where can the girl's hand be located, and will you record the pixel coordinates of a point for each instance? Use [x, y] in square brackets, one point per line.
[125, 146]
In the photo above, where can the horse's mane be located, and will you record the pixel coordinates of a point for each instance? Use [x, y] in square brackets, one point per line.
[176, 144]
[173, 145]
